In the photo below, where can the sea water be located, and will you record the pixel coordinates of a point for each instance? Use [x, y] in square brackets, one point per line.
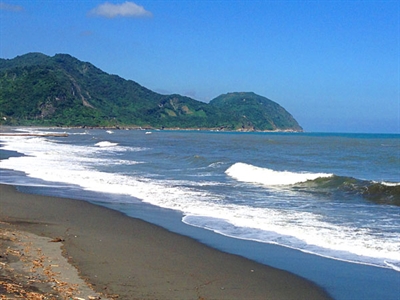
[331, 196]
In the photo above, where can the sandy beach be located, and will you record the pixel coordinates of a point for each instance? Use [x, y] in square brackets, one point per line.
[125, 258]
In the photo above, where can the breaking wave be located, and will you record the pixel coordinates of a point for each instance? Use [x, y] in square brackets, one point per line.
[324, 183]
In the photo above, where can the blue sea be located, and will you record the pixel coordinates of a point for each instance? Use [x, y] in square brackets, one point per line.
[324, 206]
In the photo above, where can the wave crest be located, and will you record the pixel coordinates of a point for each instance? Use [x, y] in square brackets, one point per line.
[249, 173]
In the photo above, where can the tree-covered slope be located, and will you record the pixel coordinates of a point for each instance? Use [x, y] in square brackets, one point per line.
[36, 89]
[257, 112]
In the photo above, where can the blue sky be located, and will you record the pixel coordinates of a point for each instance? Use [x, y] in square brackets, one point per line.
[334, 65]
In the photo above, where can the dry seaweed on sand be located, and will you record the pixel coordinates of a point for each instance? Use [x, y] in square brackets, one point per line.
[27, 272]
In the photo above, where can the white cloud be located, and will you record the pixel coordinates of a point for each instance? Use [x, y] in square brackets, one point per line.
[10, 7]
[127, 9]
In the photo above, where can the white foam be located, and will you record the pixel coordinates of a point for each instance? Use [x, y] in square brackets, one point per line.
[394, 265]
[106, 144]
[390, 183]
[79, 133]
[216, 164]
[304, 232]
[252, 174]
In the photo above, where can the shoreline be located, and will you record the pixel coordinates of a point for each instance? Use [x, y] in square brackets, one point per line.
[120, 255]
[144, 128]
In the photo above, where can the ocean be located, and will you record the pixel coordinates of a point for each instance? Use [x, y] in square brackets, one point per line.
[325, 206]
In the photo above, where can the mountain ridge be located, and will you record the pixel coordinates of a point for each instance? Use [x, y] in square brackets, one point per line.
[61, 90]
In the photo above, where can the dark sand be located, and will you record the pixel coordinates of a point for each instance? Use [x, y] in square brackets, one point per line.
[119, 255]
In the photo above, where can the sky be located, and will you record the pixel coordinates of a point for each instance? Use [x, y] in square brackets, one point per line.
[334, 65]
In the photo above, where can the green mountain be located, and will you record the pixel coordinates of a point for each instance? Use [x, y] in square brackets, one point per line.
[36, 89]
[255, 111]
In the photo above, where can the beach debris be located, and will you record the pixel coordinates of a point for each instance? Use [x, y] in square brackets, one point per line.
[57, 240]
[18, 291]
[27, 272]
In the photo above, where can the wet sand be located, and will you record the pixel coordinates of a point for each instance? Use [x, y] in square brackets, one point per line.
[128, 258]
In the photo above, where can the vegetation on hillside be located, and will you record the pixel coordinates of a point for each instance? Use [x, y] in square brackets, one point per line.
[36, 89]
[257, 112]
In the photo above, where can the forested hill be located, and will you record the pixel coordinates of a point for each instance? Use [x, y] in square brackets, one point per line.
[36, 89]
